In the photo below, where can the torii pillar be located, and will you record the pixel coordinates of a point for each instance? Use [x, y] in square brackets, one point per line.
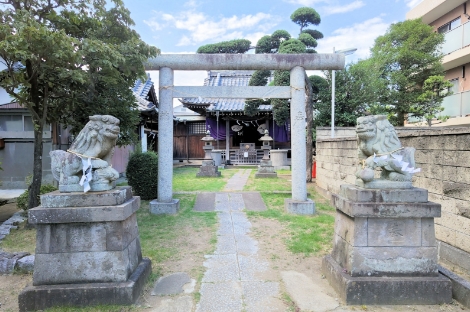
[295, 63]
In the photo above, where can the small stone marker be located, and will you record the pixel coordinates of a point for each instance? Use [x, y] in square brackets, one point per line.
[171, 284]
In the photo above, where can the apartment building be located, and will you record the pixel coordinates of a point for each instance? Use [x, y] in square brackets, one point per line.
[451, 18]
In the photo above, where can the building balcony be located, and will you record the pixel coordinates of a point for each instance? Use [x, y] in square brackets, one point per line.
[456, 105]
[456, 48]
[431, 10]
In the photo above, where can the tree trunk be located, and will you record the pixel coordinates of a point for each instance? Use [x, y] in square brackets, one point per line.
[400, 119]
[309, 112]
[35, 186]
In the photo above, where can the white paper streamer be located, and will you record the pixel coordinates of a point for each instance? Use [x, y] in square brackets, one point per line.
[398, 162]
[87, 176]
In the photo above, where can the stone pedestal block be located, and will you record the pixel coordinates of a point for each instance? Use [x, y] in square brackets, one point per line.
[279, 159]
[385, 248]
[171, 207]
[265, 170]
[217, 157]
[208, 169]
[86, 250]
[299, 207]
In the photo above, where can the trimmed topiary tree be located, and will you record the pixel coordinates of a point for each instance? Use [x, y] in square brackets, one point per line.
[142, 174]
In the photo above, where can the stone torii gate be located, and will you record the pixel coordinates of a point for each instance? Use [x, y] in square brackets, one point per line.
[295, 63]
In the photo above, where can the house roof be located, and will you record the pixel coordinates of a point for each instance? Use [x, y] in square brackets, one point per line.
[145, 95]
[236, 78]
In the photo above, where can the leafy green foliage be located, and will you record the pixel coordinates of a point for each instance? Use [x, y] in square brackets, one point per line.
[266, 44]
[259, 78]
[22, 200]
[305, 17]
[279, 36]
[142, 174]
[314, 33]
[405, 57]
[318, 83]
[355, 89]
[435, 88]
[232, 46]
[308, 40]
[68, 59]
[292, 46]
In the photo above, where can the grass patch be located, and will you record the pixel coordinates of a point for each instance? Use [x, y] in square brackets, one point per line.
[22, 239]
[307, 234]
[267, 184]
[185, 180]
[283, 171]
[160, 234]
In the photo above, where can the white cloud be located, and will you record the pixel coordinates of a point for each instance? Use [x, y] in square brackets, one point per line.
[191, 4]
[360, 36]
[198, 27]
[335, 9]
[412, 3]
[305, 2]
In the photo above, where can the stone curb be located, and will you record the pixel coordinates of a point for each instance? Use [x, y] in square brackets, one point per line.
[19, 260]
[460, 286]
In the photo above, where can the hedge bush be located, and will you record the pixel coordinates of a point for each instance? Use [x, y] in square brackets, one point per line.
[22, 200]
[142, 174]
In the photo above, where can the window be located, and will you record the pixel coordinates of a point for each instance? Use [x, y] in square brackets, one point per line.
[455, 85]
[11, 123]
[197, 128]
[449, 26]
[18, 123]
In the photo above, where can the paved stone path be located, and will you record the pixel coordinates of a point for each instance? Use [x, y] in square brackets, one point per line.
[238, 180]
[234, 280]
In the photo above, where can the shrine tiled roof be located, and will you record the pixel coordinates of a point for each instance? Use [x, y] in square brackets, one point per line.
[236, 78]
[141, 91]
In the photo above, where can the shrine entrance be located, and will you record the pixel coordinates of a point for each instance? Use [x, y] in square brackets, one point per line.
[295, 63]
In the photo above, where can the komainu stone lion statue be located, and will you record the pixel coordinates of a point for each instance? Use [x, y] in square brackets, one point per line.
[378, 146]
[92, 152]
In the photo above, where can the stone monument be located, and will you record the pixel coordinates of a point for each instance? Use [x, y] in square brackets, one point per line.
[384, 249]
[208, 168]
[266, 169]
[87, 243]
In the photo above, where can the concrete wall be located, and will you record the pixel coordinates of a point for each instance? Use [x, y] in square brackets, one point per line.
[444, 158]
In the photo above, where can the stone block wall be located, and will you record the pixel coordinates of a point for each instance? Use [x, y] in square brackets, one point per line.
[443, 154]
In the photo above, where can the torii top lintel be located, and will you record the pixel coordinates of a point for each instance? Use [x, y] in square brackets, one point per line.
[312, 61]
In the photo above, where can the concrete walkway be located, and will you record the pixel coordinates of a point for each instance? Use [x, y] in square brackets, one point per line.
[238, 180]
[234, 279]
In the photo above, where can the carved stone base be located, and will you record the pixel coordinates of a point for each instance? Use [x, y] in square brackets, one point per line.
[386, 290]
[34, 298]
[87, 250]
[157, 207]
[208, 169]
[384, 248]
[384, 184]
[94, 187]
[299, 207]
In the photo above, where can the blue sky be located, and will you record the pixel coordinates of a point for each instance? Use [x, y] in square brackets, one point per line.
[181, 26]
